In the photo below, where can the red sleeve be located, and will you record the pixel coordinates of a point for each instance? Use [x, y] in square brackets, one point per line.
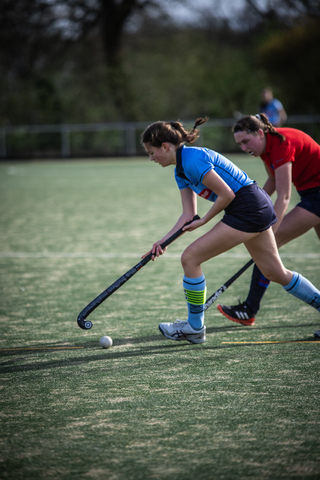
[283, 153]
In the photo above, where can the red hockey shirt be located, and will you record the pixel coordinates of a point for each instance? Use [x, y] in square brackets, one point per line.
[298, 148]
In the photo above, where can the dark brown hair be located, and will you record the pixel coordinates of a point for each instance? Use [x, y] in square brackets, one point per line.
[172, 132]
[253, 123]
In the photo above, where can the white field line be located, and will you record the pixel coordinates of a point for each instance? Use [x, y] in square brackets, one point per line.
[132, 255]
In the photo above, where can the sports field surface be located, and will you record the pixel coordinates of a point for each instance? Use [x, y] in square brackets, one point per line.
[243, 405]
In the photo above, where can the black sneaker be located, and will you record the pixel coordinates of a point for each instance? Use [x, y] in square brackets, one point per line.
[241, 313]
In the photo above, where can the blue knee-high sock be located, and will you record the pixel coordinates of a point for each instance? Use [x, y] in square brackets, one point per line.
[195, 292]
[258, 288]
[301, 288]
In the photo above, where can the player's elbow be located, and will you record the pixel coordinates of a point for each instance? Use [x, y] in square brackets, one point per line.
[284, 199]
[229, 197]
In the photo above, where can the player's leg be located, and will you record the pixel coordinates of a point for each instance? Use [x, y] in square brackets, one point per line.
[264, 252]
[218, 240]
[317, 229]
[245, 312]
[295, 223]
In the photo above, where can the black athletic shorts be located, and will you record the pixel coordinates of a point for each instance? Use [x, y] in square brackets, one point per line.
[251, 210]
[310, 200]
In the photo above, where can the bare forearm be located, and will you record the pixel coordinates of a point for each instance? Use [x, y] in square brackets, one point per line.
[183, 219]
[269, 187]
[280, 207]
[219, 205]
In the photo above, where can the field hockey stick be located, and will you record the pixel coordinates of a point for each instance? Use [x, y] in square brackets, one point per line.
[86, 325]
[224, 287]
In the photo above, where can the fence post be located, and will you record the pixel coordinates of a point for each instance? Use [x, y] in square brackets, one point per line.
[3, 149]
[130, 139]
[65, 141]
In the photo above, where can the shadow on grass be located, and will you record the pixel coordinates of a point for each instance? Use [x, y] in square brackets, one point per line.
[229, 328]
[165, 347]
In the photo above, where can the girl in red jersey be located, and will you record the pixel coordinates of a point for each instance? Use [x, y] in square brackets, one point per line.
[290, 156]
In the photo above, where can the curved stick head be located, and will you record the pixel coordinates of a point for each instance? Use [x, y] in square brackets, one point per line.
[84, 324]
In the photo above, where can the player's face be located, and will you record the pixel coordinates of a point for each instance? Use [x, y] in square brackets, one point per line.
[161, 155]
[252, 143]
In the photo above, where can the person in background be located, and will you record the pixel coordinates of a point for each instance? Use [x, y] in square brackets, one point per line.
[248, 218]
[290, 156]
[272, 108]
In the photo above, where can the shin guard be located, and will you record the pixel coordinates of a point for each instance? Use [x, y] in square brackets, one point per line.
[195, 293]
[301, 288]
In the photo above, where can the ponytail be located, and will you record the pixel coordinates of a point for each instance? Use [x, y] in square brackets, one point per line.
[200, 121]
[253, 123]
[172, 132]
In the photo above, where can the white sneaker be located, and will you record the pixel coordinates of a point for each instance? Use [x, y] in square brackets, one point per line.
[183, 331]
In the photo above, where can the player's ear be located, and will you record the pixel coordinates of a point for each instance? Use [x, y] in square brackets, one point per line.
[165, 146]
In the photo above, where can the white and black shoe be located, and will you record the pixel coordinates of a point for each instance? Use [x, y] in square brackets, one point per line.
[180, 330]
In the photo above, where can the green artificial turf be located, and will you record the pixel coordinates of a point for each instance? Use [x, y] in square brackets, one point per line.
[245, 404]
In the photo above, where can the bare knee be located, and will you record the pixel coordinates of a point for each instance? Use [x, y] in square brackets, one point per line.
[283, 277]
[186, 259]
[190, 263]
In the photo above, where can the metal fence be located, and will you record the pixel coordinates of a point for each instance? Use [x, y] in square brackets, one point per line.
[116, 139]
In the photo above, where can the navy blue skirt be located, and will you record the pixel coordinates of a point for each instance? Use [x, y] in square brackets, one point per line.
[250, 211]
[310, 200]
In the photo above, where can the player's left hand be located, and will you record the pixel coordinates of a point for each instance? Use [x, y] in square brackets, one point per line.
[193, 225]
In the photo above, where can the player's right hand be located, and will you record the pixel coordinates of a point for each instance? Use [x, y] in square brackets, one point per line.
[156, 251]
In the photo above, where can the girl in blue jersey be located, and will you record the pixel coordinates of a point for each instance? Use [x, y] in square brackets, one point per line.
[248, 217]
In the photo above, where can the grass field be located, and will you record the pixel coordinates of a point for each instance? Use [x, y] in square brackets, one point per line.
[244, 405]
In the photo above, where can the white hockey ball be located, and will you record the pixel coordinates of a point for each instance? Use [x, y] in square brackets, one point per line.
[106, 342]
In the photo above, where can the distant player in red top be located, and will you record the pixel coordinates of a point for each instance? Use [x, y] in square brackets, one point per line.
[290, 156]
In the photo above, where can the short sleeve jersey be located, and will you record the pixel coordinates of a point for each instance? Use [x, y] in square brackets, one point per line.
[272, 110]
[298, 148]
[196, 162]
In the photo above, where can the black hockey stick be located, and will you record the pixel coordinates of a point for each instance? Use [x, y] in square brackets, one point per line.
[86, 325]
[224, 287]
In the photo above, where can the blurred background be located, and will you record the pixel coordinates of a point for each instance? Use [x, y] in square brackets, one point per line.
[84, 77]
